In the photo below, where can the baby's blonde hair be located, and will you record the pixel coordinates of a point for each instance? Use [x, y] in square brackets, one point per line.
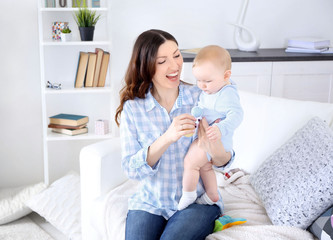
[219, 56]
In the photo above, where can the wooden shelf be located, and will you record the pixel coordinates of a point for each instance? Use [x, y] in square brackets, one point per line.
[269, 55]
[85, 90]
[50, 9]
[74, 43]
[51, 136]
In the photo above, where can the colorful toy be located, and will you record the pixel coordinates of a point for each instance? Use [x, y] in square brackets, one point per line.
[226, 221]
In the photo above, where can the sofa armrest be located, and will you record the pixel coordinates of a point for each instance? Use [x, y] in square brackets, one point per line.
[100, 171]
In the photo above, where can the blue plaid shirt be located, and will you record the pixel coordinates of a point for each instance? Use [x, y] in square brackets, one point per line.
[142, 122]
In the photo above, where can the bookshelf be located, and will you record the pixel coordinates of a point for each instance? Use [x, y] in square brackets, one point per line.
[58, 64]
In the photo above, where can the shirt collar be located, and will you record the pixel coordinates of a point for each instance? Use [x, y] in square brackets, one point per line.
[150, 101]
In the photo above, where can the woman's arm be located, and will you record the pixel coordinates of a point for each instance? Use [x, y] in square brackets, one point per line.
[134, 152]
[215, 148]
[140, 159]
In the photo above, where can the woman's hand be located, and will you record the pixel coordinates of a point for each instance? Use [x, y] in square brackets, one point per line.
[181, 125]
[214, 148]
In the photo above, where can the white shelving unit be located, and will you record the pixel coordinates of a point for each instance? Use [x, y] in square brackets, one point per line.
[58, 64]
[301, 80]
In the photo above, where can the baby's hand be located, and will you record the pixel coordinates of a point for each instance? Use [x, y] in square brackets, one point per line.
[213, 133]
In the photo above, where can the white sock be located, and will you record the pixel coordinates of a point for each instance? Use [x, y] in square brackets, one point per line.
[187, 199]
[205, 200]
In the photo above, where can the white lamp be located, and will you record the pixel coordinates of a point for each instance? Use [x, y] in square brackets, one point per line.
[252, 43]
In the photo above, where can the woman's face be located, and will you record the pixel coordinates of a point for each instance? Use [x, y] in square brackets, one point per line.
[169, 64]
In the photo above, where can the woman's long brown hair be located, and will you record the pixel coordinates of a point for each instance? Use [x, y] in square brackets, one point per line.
[141, 67]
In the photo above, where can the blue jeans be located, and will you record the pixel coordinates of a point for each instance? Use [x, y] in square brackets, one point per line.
[194, 222]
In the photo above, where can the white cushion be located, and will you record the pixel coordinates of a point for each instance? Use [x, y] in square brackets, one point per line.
[60, 205]
[295, 183]
[12, 206]
[268, 123]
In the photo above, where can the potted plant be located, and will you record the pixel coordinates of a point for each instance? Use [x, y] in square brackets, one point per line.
[86, 20]
[66, 34]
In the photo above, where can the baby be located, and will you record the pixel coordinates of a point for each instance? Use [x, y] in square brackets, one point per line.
[220, 105]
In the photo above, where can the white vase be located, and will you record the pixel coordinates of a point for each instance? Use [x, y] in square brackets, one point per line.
[66, 37]
[252, 44]
[243, 44]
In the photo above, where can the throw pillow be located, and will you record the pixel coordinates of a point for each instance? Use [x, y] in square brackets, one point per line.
[12, 206]
[295, 184]
[60, 205]
[322, 228]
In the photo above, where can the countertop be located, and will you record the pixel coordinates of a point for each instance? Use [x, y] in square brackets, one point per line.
[269, 55]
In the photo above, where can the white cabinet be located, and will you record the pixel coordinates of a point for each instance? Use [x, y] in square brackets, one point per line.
[250, 76]
[302, 80]
[58, 64]
[253, 76]
[310, 80]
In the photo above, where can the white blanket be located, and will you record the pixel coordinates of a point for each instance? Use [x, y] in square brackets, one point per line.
[239, 199]
[116, 209]
[23, 229]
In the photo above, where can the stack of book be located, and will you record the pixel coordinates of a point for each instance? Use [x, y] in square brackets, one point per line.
[308, 45]
[190, 50]
[92, 69]
[69, 124]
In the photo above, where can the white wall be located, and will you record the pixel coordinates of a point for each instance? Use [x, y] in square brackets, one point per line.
[197, 23]
[21, 133]
[194, 23]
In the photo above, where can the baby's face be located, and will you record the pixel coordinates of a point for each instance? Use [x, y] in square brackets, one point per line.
[210, 78]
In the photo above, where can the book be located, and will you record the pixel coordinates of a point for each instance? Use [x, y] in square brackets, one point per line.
[104, 69]
[90, 69]
[70, 132]
[329, 51]
[51, 125]
[69, 119]
[96, 3]
[99, 59]
[81, 70]
[191, 50]
[309, 43]
[50, 3]
[305, 50]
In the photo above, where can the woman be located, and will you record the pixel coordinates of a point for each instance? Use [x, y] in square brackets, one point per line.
[154, 112]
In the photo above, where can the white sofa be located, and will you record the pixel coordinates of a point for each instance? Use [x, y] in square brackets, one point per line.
[268, 123]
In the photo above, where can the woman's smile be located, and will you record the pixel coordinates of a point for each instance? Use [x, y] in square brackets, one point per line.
[173, 76]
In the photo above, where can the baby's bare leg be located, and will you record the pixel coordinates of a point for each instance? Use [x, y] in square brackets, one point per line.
[209, 180]
[194, 159]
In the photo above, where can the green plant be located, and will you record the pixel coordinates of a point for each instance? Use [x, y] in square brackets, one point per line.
[66, 30]
[85, 17]
[81, 3]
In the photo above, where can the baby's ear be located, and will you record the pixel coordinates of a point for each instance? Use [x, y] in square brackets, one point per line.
[227, 75]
